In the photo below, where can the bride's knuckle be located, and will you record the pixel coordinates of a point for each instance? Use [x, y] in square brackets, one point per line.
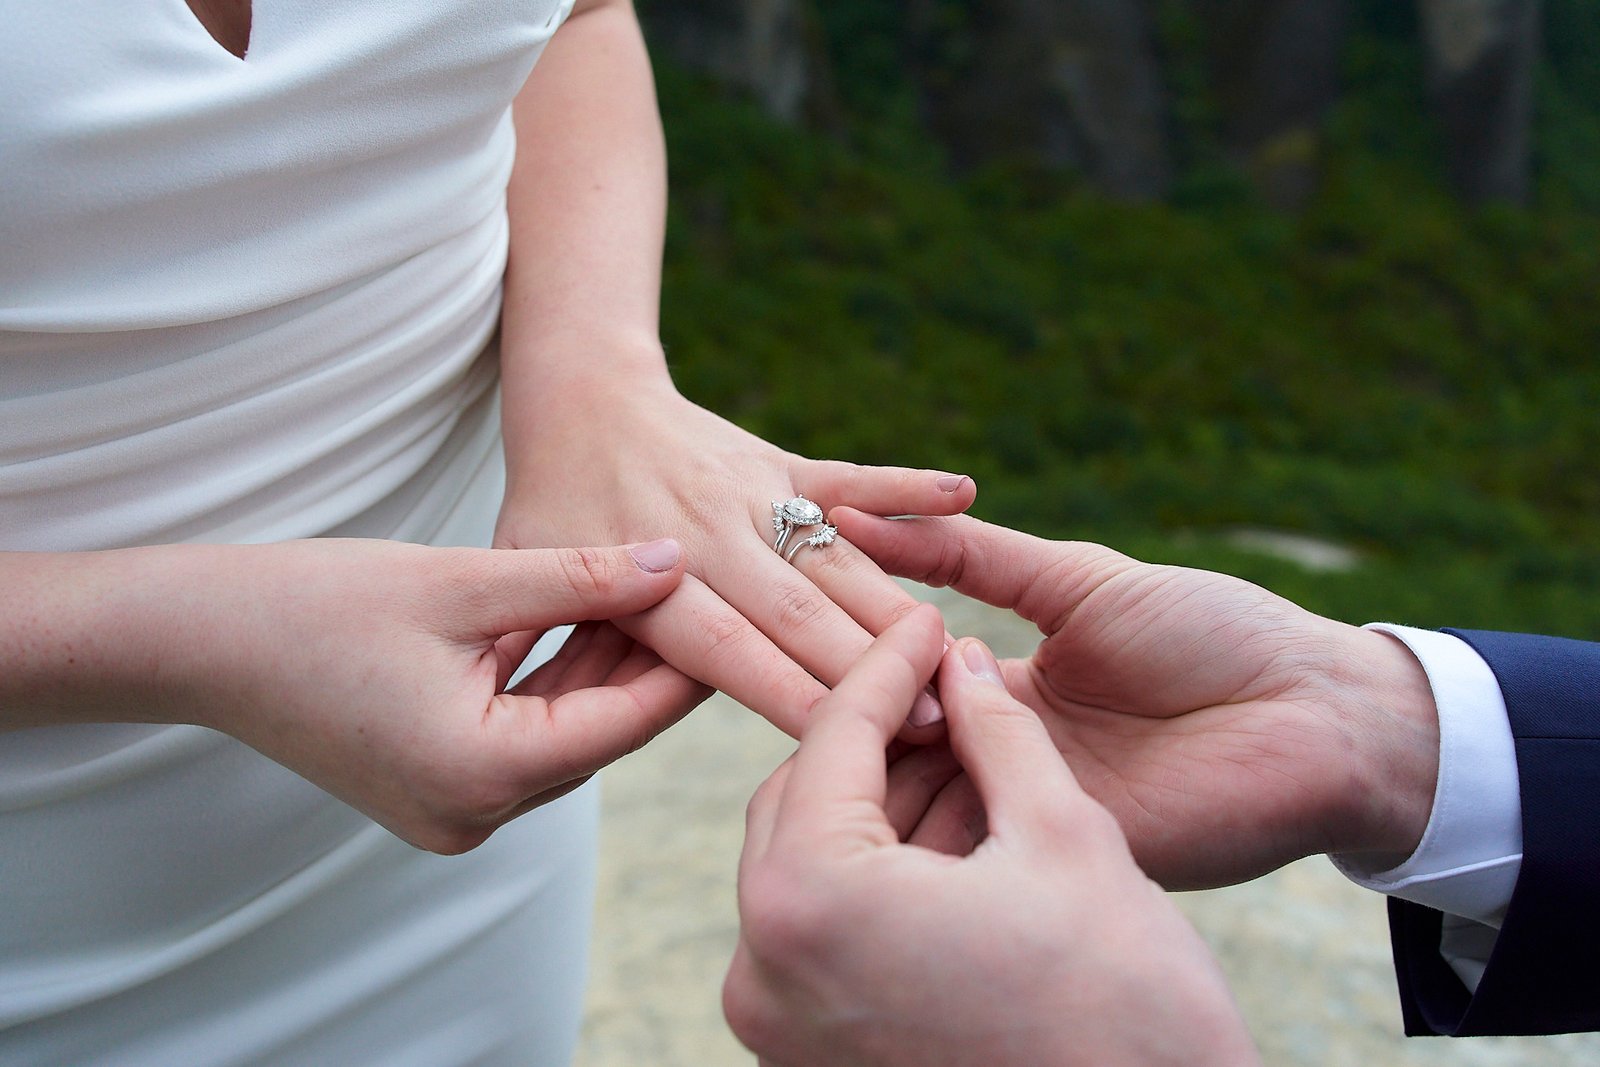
[831, 562]
[898, 605]
[587, 571]
[797, 608]
[726, 634]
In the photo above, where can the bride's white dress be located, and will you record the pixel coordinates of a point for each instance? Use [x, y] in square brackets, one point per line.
[246, 300]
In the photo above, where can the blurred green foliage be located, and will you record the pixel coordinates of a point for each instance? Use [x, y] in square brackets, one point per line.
[1389, 370]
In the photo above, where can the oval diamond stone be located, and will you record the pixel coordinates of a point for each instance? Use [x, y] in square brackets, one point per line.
[801, 511]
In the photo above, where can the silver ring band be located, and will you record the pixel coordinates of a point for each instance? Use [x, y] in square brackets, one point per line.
[821, 539]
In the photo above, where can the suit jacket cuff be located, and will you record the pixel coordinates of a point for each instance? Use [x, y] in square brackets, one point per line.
[1540, 976]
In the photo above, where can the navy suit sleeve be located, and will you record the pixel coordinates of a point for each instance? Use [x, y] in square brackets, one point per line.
[1543, 976]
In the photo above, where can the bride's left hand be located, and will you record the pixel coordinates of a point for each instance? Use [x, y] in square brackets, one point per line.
[625, 461]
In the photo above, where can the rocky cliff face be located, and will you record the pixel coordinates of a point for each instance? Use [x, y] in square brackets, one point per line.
[761, 46]
[1070, 83]
[1080, 84]
[1275, 65]
[1481, 57]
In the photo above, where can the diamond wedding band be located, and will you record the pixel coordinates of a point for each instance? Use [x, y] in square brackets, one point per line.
[798, 513]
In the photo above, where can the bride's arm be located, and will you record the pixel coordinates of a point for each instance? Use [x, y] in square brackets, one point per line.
[588, 201]
[599, 444]
[368, 667]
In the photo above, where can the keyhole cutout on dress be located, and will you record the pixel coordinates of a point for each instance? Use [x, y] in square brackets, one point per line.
[227, 21]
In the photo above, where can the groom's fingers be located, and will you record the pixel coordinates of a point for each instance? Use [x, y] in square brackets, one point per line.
[858, 586]
[1025, 786]
[991, 563]
[915, 780]
[835, 791]
[1040, 580]
[955, 822]
[761, 815]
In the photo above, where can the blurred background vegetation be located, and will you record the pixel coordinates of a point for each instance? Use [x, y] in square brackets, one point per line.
[1156, 272]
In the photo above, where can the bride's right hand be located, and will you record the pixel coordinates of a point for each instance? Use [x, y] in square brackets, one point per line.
[368, 667]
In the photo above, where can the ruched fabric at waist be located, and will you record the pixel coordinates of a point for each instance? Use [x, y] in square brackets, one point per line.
[285, 422]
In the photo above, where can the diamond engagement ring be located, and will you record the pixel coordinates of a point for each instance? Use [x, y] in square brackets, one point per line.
[791, 515]
[820, 539]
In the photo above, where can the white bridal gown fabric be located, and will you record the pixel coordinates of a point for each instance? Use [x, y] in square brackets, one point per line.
[246, 300]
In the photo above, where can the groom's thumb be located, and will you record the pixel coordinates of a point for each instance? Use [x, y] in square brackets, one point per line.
[1025, 784]
[533, 589]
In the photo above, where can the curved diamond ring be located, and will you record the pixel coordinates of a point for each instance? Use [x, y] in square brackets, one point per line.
[792, 514]
[821, 539]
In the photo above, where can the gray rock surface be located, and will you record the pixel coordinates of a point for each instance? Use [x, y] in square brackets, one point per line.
[756, 45]
[1306, 951]
[1481, 59]
[1276, 68]
[1069, 83]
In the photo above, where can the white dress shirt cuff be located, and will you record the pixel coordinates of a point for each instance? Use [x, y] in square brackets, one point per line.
[1467, 863]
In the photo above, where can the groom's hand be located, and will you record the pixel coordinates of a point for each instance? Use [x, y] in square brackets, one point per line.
[1046, 945]
[1228, 730]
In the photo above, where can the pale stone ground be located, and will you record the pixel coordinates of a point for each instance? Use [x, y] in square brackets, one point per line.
[1306, 951]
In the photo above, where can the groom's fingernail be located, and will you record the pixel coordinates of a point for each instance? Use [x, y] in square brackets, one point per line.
[981, 662]
[951, 482]
[925, 710]
[656, 556]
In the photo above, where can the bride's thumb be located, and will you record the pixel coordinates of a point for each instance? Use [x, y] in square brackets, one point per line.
[534, 589]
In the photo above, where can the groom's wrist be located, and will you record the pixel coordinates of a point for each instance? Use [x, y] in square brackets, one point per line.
[1392, 724]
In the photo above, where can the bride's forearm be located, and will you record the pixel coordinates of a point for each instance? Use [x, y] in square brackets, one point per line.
[587, 203]
[371, 668]
[99, 636]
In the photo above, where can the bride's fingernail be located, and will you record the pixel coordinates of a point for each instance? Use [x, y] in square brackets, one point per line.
[925, 710]
[951, 482]
[981, 662]
[656, 556]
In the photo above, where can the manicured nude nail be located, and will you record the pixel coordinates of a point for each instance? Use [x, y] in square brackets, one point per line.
[925, 710]
[981, 662]
[951, 482]
[656, 556]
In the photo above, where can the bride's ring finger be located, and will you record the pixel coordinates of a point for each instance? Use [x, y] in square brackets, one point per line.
[843, 574]
[821, 539]
[822, 632]
[792, 515]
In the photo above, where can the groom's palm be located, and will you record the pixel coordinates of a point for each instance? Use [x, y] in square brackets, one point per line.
[1195, 706]
[1174, 696]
